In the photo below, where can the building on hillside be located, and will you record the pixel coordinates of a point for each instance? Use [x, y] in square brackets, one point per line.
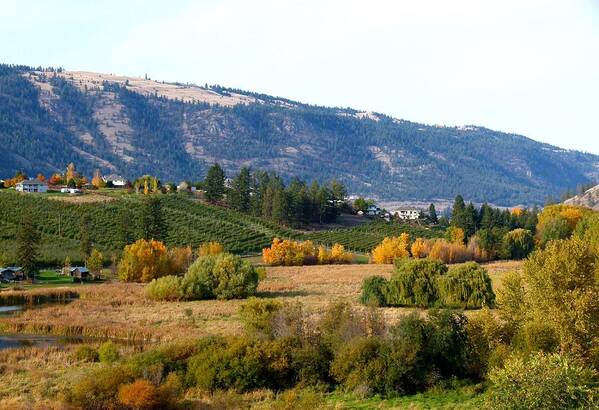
[373, 210]
[11, 273]
[408, 213]
[117, 181]
[32, 185]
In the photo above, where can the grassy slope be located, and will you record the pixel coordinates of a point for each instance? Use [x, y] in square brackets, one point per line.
[188, 223]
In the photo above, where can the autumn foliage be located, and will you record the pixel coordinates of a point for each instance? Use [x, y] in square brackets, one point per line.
[143, 261]
[294, 253]
[391, 248]
[210, 248]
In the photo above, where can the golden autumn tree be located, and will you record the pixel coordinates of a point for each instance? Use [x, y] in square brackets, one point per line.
[40, 177]
[455, 235]
[97, 180]
[391, 248]
[143, 261]
[420, 248]
[71, 173]
[55, 179]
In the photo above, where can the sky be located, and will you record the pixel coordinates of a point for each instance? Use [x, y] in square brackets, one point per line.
[529, 67]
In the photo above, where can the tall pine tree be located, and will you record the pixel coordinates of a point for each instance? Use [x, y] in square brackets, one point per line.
[27, 245]
[215, 184]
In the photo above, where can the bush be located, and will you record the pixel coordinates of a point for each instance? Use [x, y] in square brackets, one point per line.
[466, 286]
[391, 248]
[210, 248]
[222, 276]
[449, 252]
[518, 244]
[414, 283]
[86, 353]
[536, 337]
[543, 382]
[108, 352]
[342, 322]
[373, 291]
[258, 314]
[165, 288]
[141, 394]
[97, 389]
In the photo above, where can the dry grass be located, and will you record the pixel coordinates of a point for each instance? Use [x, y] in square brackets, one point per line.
[121, 311]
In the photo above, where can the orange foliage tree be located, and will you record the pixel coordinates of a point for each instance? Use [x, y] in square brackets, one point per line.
[420, 248]
[391, 248]
[294, 253]
[141, 394]
[55, 179]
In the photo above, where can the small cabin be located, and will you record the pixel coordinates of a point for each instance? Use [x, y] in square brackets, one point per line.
[11, 273]
[79, 272]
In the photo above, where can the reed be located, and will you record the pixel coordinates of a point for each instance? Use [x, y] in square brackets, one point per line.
[37, 296]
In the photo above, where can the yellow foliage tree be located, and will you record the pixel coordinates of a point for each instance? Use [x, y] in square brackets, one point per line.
[180, 259]
[143, 261]
[572, 214]
[420, 248]
[97, 180]
[294, 253]
[391, 248]
[71, 173]
[210, 248]
[455, 235]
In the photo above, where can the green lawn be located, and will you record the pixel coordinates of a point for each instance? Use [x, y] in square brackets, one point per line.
[467, 397]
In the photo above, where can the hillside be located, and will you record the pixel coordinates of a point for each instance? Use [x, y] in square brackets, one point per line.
[133, 126]
[589, 198]
[117, 221]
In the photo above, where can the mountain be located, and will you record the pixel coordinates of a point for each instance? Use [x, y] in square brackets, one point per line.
[589, 199]
[134, 126]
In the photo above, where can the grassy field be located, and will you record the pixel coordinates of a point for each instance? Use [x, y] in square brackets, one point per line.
[122, 311]
[118, 310]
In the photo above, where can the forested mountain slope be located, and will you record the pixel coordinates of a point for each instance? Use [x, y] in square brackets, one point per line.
[134, 126]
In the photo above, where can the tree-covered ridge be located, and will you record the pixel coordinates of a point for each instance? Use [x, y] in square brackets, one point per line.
[112, 128]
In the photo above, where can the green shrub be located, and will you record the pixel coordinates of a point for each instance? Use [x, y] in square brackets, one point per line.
[97, 388]
[108, 352]
[536, 337]
[466, 286]
[556, 228]
[518, 244]
[373, 291]
[342, 322]
[222, 276]
[86, 353]
[414, 283]
[165, 288]
[361, 366]
[258, 314]
[543, 382]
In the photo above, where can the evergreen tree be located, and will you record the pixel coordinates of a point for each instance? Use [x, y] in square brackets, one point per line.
[280, 205]
[239, 198]
[27, 246]
[152, 219]
[215, 183]
[338, 190]
[125, 228]
[432, 214]
[85, 235]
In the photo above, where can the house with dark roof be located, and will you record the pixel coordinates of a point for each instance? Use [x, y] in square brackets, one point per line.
[11, 273]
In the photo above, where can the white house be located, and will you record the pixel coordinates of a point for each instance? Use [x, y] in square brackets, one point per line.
[408, 214]
[116, 180]
[32, 185]
[373, 210]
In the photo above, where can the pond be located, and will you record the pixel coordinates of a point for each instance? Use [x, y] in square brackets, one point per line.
[16, 340]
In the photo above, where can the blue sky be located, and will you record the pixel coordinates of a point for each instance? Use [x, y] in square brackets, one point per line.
[530, 67]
